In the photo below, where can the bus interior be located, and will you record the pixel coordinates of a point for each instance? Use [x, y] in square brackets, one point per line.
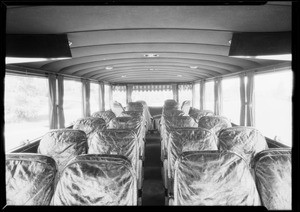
[180, 104]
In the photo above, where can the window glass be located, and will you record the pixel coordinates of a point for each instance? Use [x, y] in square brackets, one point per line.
[273, 105]
[209, 96]
[196, 97]
[119, 95]
[184, 93]
[72, 101]
[152, 98]
[26, 109]
[106, 97]
[231, 99]
[94, 97]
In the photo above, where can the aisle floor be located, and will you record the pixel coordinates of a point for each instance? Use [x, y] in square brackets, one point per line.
[153, 190]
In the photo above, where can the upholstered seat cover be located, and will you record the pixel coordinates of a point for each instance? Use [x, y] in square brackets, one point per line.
[97, 180]
[273, 173]
[246, 141]
[188, 139]
[172, 122]
[134, 123]
[196, 114]
[213, 178]
[185, 107]
[106, 115]
[90, 125]
[170, 104]
[214, 123]
[116, 142]
[62, 145]
[117, 108]
[29, 179]
[147, 115]
[134, 106]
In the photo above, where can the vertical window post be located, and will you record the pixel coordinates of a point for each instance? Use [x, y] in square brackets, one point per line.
[250, 98]
[202, 99]
[175, 92]
[218, 96]
[243, 100]
[101, 97]
[52, 101]
[86, 98]
[61, 116]
[129, 88]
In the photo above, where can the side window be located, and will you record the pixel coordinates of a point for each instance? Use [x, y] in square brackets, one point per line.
[26, 106]
[231, 99]
[94, 97]
[72, 101]
[209, 96]
[273, 105]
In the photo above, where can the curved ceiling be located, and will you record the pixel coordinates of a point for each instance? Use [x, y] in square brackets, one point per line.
[109, 43]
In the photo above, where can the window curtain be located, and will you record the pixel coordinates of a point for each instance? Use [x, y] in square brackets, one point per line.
[129, 89]
[218, 96]
[52, 101]
[175, 92]
[243, 100]
[86, 98]
[202, 99]
[110, 96]
[194, 95]
[61, 116]
[250, 98]
[101, 97]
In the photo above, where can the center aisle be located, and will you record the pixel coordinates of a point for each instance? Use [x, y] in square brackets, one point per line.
[153, 189]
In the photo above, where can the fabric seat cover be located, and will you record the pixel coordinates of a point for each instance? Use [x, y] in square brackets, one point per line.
[273, 173]
[62, 145]
[214, 123]
[213, 178]
[97, 180]
[246, 141]
[107, 115]
[29, 178]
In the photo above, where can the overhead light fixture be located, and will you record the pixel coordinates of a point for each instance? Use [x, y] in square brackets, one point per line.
[179, 75]
[193, 67]
[108, 67]
[151, 55]
[285, 57]
[123, 76]
[70, 43]
[12, 60]
[152, 69]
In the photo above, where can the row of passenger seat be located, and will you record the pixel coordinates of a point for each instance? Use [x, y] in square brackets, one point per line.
[98, 162]
[209, 162]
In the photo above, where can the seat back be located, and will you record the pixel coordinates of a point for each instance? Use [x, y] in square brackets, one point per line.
[246, 141]
[135, 106]
[95, 179]
[170, 104]
[106, 115]
[117, 108]
[90, 125]
[196, 114]
[188, 139]
[147, 115]
[115, 142]
[62, 145]
[273, 173]
[185, 107]
[213, 178]
[214, 123]
[29, 179]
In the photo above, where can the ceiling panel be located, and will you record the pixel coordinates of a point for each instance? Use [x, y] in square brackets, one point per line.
[120, 36]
